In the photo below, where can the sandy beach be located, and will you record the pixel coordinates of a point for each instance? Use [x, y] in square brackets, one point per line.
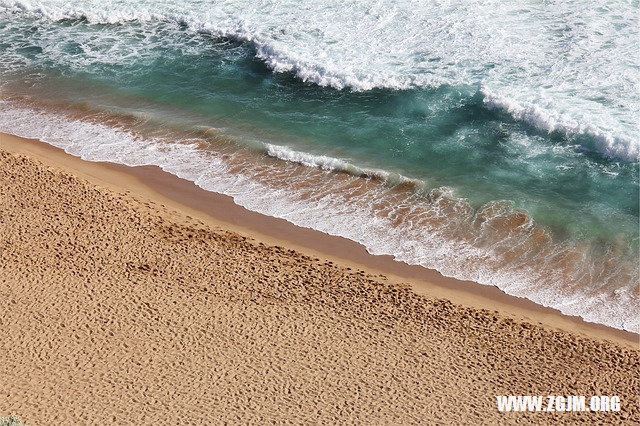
[129, 296]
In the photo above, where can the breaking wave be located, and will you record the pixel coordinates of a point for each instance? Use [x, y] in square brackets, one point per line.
[347, 45]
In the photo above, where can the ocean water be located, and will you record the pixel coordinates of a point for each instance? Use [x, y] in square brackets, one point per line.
[495, 141]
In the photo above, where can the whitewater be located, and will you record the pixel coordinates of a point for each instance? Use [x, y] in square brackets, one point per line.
[571, 67]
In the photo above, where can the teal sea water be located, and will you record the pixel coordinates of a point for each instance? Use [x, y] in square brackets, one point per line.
[492, 141]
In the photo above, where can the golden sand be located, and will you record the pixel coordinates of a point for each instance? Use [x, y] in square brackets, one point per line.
[118, 308]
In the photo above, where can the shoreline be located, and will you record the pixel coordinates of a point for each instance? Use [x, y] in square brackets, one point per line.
[220, 211]
[122, 305]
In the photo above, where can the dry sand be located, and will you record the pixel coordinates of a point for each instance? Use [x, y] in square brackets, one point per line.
[118, 307]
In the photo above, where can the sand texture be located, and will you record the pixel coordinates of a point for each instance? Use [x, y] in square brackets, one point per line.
[116, 310]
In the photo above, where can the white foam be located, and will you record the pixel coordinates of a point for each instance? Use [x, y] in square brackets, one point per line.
[549, 121]
[414, 241]
[335, 165]
[321, 161]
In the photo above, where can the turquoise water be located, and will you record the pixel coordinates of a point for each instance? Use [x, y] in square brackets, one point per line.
[506, 158]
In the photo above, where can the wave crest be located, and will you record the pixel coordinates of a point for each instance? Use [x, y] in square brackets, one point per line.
[337, 165]
[549, 121]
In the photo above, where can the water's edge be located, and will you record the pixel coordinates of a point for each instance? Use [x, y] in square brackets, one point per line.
[70, 137]
[186, 193]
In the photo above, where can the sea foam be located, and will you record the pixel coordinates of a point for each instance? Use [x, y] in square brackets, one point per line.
[549, 121]
[333, 164]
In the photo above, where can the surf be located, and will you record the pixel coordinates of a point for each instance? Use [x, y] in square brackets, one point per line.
[516, 69]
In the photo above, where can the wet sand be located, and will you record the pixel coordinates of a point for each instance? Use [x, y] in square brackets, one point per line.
[131, 296]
